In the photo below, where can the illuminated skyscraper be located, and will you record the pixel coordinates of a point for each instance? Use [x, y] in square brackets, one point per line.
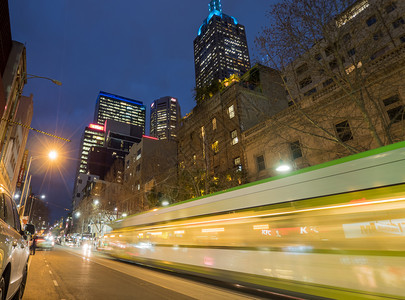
[164, 118]
[220, 49]
[117, 108]
[93, 136]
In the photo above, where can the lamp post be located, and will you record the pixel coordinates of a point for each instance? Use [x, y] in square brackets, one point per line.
[24, 194]
[12, 104]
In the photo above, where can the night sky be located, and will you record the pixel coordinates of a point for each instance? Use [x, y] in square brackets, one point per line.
[141, 50]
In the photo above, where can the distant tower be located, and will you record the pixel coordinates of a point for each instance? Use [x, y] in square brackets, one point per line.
[121, 109]
[93, 136]
[164, 118]
[220, 49]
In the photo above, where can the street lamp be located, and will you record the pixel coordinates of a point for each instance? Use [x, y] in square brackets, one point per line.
[25, 191]
[30, 76]
[53, 155]
[13, 104]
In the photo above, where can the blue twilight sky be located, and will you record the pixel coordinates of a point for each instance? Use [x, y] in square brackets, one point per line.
[137, 49]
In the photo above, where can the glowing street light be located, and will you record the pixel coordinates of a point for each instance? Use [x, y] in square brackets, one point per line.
[165, 203]
[43, 196]
[77, 214]
[96, 202]
[53, 155]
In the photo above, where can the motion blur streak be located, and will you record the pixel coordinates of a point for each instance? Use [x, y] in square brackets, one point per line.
[337, 245]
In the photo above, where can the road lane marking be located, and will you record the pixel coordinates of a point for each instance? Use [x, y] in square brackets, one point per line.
[50, 272]
[55, 283]
[47, 266]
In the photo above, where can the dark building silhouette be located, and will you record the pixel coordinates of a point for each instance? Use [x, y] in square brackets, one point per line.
[220, 49]
[164, 118]
[5, 35]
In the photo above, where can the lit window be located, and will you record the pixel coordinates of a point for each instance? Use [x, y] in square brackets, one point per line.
[214, 124]
[231, 111]
[215, 147]
[234, 137]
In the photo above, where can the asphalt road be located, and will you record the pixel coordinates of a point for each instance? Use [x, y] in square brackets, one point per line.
[68, 273]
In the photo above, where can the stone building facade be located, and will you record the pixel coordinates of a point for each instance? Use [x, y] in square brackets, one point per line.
[210, 152]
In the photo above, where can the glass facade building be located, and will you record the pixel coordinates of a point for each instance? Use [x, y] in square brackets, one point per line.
[164, 118]
[220, 49]
[93, 136]
[117, 108]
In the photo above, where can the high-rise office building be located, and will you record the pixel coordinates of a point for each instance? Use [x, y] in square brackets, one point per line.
[94, 135]
[164, 118]
[117, 108]
[220, 49]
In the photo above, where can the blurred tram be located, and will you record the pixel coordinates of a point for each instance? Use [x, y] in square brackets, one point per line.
[335, 230]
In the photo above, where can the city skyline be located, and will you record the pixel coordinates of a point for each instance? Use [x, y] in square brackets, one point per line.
[111, 47]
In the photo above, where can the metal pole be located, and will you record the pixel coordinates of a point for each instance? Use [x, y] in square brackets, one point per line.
[25, 181]
[29, 214]
[25, 202]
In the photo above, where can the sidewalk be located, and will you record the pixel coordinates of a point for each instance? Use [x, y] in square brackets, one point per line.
[40, 284]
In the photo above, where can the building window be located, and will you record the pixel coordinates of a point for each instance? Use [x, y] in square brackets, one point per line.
[402, 39]
[296, 149]
[333, 64]
[398, 22]
[379, 53]
[301, 69]
[351, 52]
[260, 163]
[391, 100]
[396, 114]
[231, 111]
[237, 163]
[370, 21]
[390, 7]
[234, 137]
[343, 131]
[327, 82]
[347, 37]
[328, 51]
[310, 92]
[138, 168]
[214, 124]
[306, 81]
[215, 147]
[378, 35]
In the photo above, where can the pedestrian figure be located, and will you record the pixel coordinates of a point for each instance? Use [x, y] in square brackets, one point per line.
[33, 245]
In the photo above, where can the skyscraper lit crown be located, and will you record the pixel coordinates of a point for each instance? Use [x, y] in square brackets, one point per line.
[215, 5]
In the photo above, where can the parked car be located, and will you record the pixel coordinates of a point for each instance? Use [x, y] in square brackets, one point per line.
[45, 243]
[14, 250]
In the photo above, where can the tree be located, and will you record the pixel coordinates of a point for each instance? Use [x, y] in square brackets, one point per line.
[340, 66]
